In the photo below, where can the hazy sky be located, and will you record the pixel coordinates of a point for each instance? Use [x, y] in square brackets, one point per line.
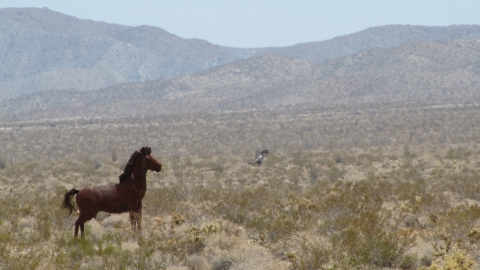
[264, 23]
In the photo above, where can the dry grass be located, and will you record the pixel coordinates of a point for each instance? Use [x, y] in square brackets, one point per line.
[341, 189]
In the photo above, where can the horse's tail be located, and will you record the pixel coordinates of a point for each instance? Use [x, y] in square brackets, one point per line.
[67, 200]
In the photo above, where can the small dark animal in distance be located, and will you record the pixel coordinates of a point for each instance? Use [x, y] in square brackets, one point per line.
[259, 157]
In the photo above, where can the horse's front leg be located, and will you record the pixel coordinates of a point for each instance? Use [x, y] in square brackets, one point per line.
[133, 220]
[139, 218]
[136, 218]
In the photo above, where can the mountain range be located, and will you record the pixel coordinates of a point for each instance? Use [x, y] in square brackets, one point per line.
[55, 66]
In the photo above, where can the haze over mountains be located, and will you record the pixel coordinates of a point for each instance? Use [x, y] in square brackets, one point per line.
[53, 66]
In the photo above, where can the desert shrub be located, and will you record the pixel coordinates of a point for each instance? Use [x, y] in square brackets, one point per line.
[164, 200]
[458, 153]
[457, 260]
[335, 173]
[23, 258]
[431, 200]
[197, 236]
[408, 262]
[272, 213]
[359, 229]
[458, 222]
[222, 263]
[466, 184]
[313, 173]
[366, 159]
[309, 253]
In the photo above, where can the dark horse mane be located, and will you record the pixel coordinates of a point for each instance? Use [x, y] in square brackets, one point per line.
[128, 171]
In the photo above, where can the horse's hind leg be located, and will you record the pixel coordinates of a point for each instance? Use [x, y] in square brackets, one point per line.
[78, 224]
[82, 228]
[81, 223]
[87, 206]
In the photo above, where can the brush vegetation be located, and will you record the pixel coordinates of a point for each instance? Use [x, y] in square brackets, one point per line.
[358, 188]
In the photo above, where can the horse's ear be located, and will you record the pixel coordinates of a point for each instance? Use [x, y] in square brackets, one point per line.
[146, 151]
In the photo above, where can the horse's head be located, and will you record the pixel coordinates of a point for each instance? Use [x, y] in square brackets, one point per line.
[150, 162]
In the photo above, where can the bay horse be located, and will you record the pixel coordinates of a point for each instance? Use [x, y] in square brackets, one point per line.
[125, 196]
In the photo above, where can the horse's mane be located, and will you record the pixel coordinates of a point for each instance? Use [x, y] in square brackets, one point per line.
[127, 172]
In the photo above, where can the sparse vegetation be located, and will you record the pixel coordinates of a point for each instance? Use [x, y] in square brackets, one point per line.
[364, 198]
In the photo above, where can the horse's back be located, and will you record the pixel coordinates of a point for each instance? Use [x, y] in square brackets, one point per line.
[91, 194]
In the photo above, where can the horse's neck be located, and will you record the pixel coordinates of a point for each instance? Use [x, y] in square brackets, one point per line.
[140, 178]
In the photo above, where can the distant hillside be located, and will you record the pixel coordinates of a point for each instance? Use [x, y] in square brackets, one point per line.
[375, 37]
[425, 72]
[41, 49]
